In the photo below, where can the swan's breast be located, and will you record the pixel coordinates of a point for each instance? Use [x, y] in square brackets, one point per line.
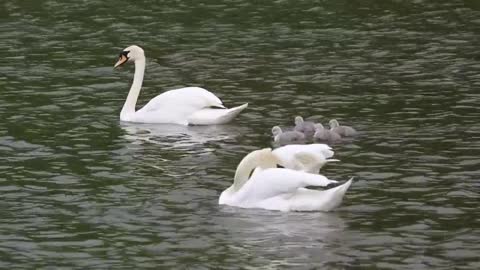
[227, 196]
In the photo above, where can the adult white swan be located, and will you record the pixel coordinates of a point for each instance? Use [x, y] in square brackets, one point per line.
[278, 188]
[189, 105]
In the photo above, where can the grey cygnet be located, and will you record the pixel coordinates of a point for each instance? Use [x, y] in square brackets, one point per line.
[341, 130]
[323, 134]
[286, 137]
[305, 127]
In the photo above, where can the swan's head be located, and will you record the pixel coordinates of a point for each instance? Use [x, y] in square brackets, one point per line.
[276, 130]
[333, 123]
[318, 126]
[130, 54]
[298, 120]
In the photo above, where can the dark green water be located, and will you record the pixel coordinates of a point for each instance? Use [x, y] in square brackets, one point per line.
[81, 190]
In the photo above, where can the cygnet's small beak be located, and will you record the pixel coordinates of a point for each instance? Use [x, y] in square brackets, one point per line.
[122, 59]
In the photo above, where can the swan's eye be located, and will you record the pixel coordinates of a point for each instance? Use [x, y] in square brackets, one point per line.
[124, 53]
[122, 58]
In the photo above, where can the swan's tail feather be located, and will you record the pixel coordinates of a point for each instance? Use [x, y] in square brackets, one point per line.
[215, 116]
[341, 189]
[336, 195]
[232, 113]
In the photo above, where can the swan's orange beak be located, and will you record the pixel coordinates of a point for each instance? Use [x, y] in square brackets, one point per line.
[121, 60]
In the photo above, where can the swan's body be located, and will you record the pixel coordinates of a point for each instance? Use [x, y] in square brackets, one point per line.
[305, 127]
[185, 106]
[279, 189]
[341, 130]
[326, 135]
[282, 138]
[307, 158]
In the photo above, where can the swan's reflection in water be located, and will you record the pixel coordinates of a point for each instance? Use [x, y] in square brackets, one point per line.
[178, 136]
[178, 151]
[293, 238]
[256, 224]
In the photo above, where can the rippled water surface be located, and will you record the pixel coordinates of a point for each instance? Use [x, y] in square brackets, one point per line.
[81, 190]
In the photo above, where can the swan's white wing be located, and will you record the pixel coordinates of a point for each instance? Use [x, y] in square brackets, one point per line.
[305, 199]
[210, 116]
[307, 158]
[273, 182]
[195, 98]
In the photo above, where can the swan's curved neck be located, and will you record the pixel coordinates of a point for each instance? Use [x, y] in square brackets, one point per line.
[248, 165]
[128, 109]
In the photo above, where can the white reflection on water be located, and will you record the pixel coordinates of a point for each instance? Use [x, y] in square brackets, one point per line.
[292, 238]
[256, 224]
[174, 136]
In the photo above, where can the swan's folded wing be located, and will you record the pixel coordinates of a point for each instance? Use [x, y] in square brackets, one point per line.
[191, 98]
[277, 181]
